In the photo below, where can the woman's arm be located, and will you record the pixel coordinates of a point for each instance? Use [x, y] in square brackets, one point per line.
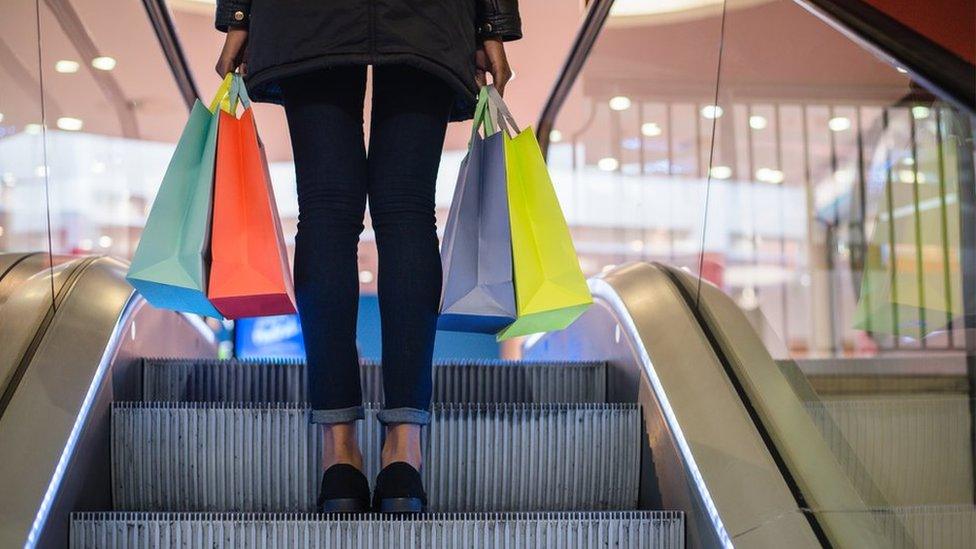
[233, 14]
[499, 20]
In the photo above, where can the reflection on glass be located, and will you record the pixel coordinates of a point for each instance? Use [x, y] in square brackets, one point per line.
[836, 221]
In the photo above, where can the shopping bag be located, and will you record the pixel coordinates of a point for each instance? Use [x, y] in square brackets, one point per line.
[249, 272]
[169, 267]
[550, 290]
[476, 254]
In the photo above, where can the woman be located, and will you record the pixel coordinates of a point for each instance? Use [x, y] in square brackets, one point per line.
[428, 59]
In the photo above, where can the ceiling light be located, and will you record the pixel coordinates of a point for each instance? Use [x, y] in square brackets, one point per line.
[608, 164]
[620, 103]
[41, 171]
[105, 241]
[103, 63]
[33, 129]
[839, 123]
[908, 161]
[555, 136]
[69, 124]
[769, 175]
[712, 111]
[636, 245]
[650, 129]
[67, 66]
[8, 179]
[919, 112]
[757, 122]
[720, 172]
[365, 277]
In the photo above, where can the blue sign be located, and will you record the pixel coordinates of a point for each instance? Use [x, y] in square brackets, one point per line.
[269, 337]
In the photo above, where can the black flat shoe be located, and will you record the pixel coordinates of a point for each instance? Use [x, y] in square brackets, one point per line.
[399, 489]
[344, 490]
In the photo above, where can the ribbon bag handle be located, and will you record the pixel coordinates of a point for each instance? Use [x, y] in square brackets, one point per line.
[482, 117]
[502, 116]
[222, 97]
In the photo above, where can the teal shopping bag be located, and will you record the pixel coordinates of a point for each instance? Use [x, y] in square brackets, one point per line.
[169, 267]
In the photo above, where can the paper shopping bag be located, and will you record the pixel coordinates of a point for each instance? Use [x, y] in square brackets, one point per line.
[169, 267]
[550, 290]
[479, 293]
[249, 272]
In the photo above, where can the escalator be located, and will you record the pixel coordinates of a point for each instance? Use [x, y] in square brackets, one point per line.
[681, 410]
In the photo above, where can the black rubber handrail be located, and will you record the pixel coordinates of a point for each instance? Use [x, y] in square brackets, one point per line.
[947, 75]
[169, 42]
[596, 16]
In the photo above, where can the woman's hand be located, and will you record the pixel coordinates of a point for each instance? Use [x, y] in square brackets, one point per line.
[232, 56]
[490, 57]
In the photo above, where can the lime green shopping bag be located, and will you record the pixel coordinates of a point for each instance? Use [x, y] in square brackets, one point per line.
[169, 267]
[550, 290]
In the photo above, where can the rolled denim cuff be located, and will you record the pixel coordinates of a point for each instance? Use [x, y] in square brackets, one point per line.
[340, 415]
[404, 415]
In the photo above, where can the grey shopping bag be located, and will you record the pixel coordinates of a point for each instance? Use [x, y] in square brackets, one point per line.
[479, 293]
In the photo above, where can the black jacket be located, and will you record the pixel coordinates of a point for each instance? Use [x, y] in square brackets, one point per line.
[288, 37]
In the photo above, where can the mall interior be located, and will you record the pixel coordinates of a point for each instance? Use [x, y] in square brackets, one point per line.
[773, 202]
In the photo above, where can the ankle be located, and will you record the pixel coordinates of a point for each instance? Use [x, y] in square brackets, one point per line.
[402, 444]
[341, 446]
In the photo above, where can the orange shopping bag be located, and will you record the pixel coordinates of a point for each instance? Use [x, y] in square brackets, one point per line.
[249, 273]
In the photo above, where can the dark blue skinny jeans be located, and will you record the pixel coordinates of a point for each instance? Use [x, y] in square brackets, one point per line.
[410, 111]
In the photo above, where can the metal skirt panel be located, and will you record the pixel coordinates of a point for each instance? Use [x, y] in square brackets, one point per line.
[457, 381]
[481, 457]
[636, 529]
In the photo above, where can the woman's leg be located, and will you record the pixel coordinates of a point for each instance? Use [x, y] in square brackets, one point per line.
[325, 119]
[410, 112]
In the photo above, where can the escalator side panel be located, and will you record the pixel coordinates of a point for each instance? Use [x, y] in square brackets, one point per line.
[706, 456]
[54, 444]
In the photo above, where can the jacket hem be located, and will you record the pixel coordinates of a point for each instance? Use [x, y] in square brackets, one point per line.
[263, 86]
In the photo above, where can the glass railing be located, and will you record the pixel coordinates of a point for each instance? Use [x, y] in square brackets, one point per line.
[830, 194]
[90, 116]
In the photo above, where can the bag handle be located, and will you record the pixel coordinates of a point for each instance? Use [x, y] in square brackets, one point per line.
[222, 97]
[501, 115]
[239, 93]
[482, 117]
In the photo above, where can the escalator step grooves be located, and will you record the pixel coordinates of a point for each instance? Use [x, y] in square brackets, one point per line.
[480, 457]
[657, 529]
[458, 381]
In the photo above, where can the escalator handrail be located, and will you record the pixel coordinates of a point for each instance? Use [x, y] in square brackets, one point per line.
[596, 16]
[946, 74]
[169, 42]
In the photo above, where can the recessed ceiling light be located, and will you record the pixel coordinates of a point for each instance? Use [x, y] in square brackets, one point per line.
[608, 164]
[620, 103]
[839, 123]
[651, 129]
[105, 241]
[757, 122]
[555, 136]
[103, 63]
[70, 124]
[919, 112]
[365, 277]
[67, 66]
[712, 111]
[769, 175]
[720, 172]
[33, 129]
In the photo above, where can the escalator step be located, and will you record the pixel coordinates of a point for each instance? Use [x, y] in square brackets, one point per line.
[644, 529]
[480, 457]
[284, 381]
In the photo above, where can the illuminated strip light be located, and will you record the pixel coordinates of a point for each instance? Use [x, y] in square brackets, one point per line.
[924, 205]
[602, 289]
[135, 300]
